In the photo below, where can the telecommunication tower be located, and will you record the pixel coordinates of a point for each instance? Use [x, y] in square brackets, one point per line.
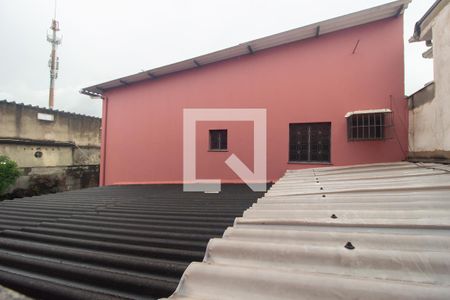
[54, 39]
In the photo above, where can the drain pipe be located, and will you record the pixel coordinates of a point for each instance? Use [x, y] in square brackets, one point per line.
[104, 139]
[103, 132]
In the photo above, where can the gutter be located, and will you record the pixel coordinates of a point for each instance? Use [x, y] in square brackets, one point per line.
[103, 132]
[91, 94]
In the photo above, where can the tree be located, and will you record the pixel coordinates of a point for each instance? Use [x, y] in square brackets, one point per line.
[9, 173]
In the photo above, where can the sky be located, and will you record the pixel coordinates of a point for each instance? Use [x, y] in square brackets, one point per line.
[108, 39]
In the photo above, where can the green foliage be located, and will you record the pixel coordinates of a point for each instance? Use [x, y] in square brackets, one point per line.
[9, 173]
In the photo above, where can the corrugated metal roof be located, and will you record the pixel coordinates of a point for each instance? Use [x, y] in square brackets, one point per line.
[373, 14]
[111, 242]
[378, 231]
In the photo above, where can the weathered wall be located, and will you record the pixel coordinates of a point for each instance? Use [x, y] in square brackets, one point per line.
[20, 121]
[429, 135]
[315, 80]
[441, 53]
[24, 155]
[42, 180]
[86, 155]
[69, 139]
[67, 155]
[54, 156]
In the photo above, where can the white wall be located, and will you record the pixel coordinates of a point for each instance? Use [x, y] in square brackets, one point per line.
[441, 53]
[429, 134]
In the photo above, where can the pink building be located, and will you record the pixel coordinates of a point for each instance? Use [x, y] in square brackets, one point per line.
[333, 93]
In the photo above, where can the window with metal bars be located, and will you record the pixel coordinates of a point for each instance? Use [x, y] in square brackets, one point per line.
[366, 127]
[218, 140]
[309, 142]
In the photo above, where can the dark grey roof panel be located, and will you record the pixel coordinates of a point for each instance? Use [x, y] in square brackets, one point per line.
[111, 242]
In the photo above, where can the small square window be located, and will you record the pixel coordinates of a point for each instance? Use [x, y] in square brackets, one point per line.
[366, 127]
[218, 140]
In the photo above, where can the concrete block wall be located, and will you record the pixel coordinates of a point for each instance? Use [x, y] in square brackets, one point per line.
[59, 154]
[21, 121]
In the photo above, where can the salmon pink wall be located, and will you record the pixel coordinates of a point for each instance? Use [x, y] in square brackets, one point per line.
[315, 80]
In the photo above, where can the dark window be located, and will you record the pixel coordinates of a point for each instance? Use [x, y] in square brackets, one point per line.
[309, 142]
[218, 139]
[366, 126]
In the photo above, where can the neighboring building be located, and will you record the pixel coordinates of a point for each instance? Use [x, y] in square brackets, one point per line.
[333, 91]
[39, 137]
[429, 108]
[50, 142]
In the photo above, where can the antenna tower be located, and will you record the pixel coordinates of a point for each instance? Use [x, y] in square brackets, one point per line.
[54, 39]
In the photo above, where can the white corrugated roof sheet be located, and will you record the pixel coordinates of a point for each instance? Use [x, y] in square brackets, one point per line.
[373, 14]
[379, 231]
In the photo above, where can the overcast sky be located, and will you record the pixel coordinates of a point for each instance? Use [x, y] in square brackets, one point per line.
[107, 39]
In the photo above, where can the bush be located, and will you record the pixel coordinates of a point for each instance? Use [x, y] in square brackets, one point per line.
[8, 173]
